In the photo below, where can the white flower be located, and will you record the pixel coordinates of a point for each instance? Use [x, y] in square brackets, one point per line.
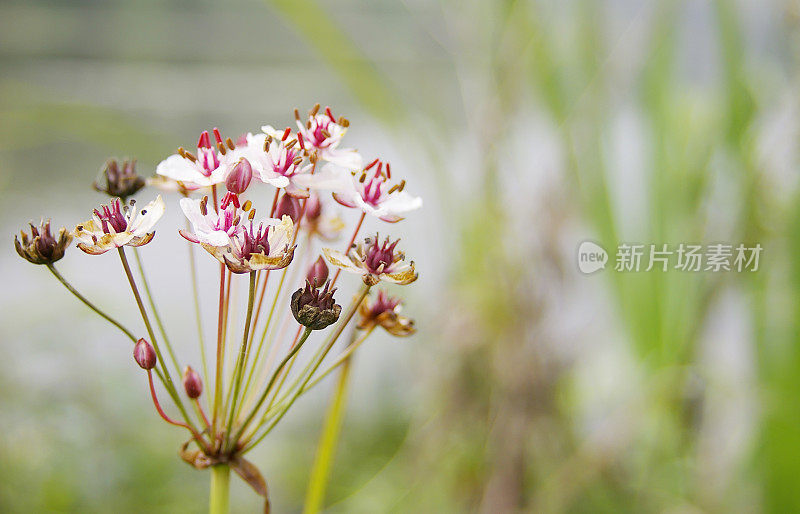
[368, 191]
[323, 133]
[196, 171]
[374, 262]
[114, 226]
[242, 246]
[276, 159]
[209, 227]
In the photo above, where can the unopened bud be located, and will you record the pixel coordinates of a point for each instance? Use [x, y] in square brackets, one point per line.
[144, 354]
[318, 273]
[240, 176]
[192, 383]
[288, 206]
[313, 207]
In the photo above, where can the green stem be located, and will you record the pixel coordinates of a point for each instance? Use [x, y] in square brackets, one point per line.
[274, 376]
[320, 472]
[198, 316]
[152, 303]
[219, 495]
[340, 326]
[241, 360]
[167, 379]
[88, 303]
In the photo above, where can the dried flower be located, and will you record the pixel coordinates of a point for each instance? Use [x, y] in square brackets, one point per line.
[192, 383]
[196, 171]
[315, 308]
[115, 225]
[120, 180]
[375, 262]
[385, 311]
[41, 247]
[144, 354]
[239, 177]
[318, 272]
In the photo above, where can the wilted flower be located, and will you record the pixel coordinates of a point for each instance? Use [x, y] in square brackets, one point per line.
[369, 191]
[195, 171]
[315, 308]
[144, 354]
[120, 180]
[41, 247]
[115, 225]
[375, 262]
[385, 311]
[192, 383]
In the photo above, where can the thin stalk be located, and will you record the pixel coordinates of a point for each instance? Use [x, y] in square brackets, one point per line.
[263, 396]
[241, 360]
[157, 317]
[320, 471]
[89, 304]
[169, 420]
[220, 354]
[167, 379]
[331, 341]
[219, 494]
[343, 358]
[198, 314]
[347, 249]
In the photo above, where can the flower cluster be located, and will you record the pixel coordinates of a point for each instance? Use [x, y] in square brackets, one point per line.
[263, 207]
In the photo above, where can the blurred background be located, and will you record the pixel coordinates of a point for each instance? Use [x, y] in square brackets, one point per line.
[528, 126]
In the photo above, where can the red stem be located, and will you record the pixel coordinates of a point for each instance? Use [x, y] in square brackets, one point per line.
[352, 240]
[164, 416]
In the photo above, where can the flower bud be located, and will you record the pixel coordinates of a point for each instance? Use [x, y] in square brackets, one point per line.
[144, 354]
[288, 206]
[192, 383]
[240, 176]
[318, 273]
[313, 207]
[41, 247]
[119, 180]
[313, 308]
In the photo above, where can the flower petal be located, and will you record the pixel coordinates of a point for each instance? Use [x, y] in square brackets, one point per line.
[149, 215]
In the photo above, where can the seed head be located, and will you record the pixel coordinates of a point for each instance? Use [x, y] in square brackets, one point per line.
[315, 308]
[119, 180]
[41, 247]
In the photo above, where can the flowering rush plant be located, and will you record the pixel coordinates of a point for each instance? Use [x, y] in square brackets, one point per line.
[262, 208]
